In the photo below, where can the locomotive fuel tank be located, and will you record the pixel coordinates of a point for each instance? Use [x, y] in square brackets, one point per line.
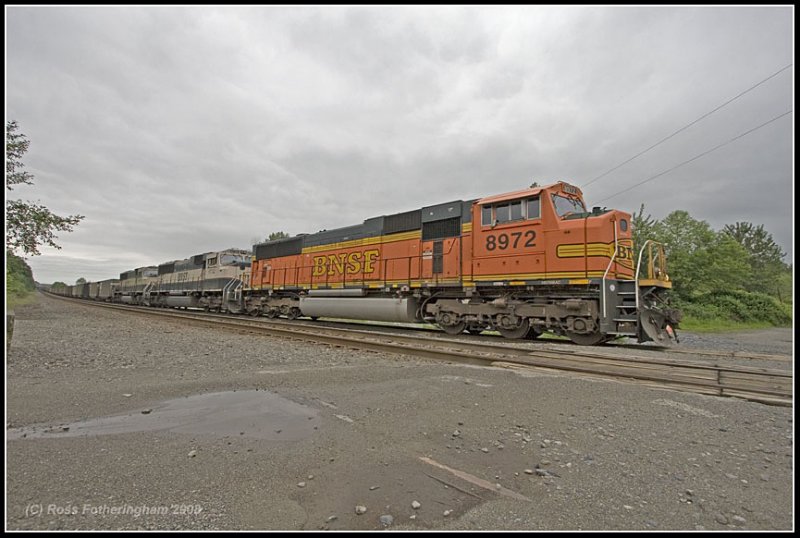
[185, 301]
[377, 309]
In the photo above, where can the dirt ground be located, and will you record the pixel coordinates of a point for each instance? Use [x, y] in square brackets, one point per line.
[116, 421]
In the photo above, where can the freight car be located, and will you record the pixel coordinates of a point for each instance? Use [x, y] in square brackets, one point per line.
[521, 263]
[94, 290]
[81, 290]
[106, 289]
[97, 291]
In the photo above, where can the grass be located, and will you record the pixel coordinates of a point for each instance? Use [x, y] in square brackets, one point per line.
[721, 325]
[14, 300]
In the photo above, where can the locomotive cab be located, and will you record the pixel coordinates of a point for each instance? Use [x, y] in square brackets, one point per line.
[565, 269]
[546, 234]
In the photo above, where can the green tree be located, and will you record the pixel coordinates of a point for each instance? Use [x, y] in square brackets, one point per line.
[764, 255]
[699, 259]
[81, 280]
[682, 234]
[19, 277]
[28, 225]
[58, 284]
[784, 286]
[277, 235]
[715, 273]
[643, 228]
[756, 240]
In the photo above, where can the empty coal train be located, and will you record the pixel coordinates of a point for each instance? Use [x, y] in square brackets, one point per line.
[521, 263]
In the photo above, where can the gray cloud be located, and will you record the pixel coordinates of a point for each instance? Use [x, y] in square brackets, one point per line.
[179, 130]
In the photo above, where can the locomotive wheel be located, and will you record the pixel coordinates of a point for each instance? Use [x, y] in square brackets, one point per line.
[456, 329]
[273, 313]
[591, 339]
[534, 333]
[293, 314]
[516, 332]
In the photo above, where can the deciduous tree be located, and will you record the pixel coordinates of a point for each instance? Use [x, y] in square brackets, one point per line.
[699, 259]
[277, 235]
[763, 254]
[643, 228]
[28, 225]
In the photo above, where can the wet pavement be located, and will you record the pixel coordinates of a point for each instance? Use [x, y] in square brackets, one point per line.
[257, 414]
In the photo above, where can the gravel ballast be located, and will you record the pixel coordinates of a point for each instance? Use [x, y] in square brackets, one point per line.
[533, 451]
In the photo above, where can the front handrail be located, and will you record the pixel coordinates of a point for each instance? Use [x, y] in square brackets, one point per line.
[641, 253]
[638, 266]
[651, 272]
[650, 265]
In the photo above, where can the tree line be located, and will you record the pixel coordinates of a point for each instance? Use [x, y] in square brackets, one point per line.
[733, 274]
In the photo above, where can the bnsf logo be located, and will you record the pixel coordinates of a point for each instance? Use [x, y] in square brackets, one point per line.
[351, 264]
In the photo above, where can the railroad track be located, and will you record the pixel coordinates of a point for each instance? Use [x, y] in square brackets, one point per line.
[552, 343]
[763, 385]
[555, 344]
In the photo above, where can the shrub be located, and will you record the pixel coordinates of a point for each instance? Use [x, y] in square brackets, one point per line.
[740, 306]
[19, 277]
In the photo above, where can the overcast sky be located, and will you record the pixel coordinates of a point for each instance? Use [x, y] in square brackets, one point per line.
[180, 130]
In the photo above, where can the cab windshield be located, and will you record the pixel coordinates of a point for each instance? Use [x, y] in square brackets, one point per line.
[229, 259]
[566, 205]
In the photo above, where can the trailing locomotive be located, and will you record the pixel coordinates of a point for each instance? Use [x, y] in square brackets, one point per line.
[520, 263]
[212, 281]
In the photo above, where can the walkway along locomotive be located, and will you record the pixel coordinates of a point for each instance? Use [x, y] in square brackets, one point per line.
[520, 263]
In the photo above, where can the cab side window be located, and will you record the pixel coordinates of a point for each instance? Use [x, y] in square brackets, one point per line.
[502, 213]
[516, 210]
[486, 215]
[510, 211]
[533, 207]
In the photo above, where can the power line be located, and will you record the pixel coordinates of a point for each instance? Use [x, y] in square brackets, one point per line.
[697, 156]
[690, 124]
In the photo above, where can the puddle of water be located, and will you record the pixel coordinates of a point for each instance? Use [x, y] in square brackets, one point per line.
[247, 413]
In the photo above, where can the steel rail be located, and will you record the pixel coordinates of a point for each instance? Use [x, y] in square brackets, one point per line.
[757, 384]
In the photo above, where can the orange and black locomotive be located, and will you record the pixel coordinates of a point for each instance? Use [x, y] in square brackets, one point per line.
[520, 263]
